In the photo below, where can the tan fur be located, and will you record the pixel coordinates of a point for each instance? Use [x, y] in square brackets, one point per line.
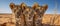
[16, 10]
[35, 5]
[28, 16]
[39, 12]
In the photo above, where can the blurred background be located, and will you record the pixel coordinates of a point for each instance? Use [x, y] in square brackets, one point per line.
[52, 4]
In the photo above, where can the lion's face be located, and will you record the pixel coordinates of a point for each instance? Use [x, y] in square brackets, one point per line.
[41, 9]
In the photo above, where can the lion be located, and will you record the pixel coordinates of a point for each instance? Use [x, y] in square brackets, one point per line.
[18, 11]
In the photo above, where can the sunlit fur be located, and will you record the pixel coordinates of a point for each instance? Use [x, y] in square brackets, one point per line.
[39, 12]
[35, 5]
[23, 5]
[17, 10]
[28, 16]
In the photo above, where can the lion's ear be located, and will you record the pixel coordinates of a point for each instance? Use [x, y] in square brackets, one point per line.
[35, 5]
[12, 5]
[23, 5]
[45, 6]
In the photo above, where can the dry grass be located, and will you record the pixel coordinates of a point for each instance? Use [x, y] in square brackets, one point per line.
[47, 19]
